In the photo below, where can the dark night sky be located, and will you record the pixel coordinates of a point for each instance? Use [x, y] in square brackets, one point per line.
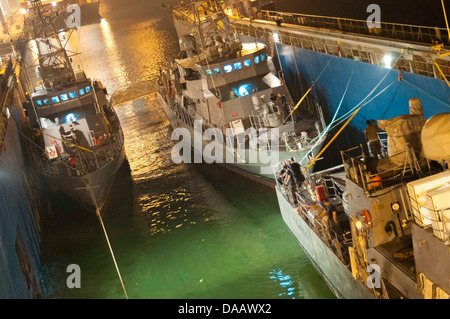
[418, 12]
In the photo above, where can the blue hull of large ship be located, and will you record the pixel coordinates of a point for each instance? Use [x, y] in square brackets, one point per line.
[330, 87]
[338, 278]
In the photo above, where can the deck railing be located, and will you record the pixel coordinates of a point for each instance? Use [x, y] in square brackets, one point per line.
[417, 63]
[101, 155]
[406, 32]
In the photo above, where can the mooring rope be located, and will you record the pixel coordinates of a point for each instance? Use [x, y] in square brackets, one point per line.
[307, 92]
[97, 211]
[352, 112]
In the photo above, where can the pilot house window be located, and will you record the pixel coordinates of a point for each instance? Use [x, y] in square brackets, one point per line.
[228, 68]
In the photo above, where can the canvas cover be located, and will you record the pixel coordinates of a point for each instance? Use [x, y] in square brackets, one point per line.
[436, 137]
[404, 132]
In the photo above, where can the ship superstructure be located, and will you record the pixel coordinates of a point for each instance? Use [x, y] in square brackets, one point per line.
[229, 85]
[393, 214]
[76, 129]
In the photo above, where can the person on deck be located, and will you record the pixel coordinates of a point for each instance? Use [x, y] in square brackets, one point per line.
[297, 170]
[281, 175]
[282, 105]
[291, 186]
[333, 218]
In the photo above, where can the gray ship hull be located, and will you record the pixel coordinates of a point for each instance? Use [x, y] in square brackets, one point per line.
[338, 278]
[100, 180]
[261, 172]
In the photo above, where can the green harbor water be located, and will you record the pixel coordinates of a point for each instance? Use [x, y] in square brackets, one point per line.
[178, 231]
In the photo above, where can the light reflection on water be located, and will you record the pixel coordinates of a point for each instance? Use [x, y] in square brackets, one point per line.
[178, 231]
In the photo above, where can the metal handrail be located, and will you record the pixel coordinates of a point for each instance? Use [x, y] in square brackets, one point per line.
[319, 228]
[350, 25]
[55, 169]
[438, 220]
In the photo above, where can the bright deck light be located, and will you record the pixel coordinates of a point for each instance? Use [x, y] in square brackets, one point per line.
[276, 37]
[71, 118]
[388, 61]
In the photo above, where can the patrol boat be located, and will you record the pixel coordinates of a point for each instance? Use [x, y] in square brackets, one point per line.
[393, 212]
[219, 83]
[78, 133]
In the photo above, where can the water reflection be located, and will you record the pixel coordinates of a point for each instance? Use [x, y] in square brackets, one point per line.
[285, 282]
[178, 231]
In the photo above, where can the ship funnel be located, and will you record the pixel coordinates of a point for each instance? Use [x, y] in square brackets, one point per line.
[436, 137]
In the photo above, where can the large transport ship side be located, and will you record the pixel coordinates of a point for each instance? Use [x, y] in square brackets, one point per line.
[20, 260]
[346, 60]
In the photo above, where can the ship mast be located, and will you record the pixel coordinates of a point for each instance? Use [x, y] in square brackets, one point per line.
[55, 64]
[206, 21]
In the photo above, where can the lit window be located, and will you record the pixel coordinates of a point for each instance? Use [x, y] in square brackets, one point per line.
[217, 70]
[243, 90]
[39, 102]
[81, 91]
[263, 57]
[228, 68]
[238, 66]
[208, 72]
[64, 97]
[248, 63]
[55, 99]
[46, 101]
[73, 94]
[256, 59]
[88, 89]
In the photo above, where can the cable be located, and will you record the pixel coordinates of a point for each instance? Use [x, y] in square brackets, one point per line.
[307, 92]
[425, 91]
[327, 129]
[97, 211]
[360, 104]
